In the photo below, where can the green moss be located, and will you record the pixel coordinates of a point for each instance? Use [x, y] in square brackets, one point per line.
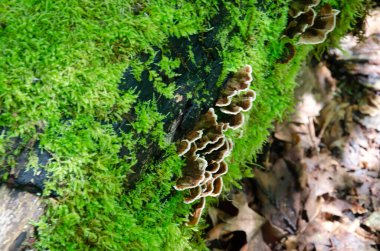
[61, 64]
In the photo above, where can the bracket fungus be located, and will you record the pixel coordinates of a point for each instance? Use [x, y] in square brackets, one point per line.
[324, 23]
[220, 154]
[299, 7]
[223, 169]
[211, 136]
[240, 82]
[233, 121]
[197, 212]
[185, 144]
[299, 25]
[311, 26]
[288, 53]
[213, 147]
[241, 103]
[218, 186]
[193, 173]
[195, 193]
[206, 146]
[207, 120]
[207, 188]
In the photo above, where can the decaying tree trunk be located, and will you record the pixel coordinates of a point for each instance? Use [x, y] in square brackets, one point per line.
[19, 206]
[18, 202]
[17, 210]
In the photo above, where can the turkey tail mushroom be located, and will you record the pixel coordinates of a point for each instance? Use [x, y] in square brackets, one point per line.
[197, 212]
[240, 82]
[206, 147]
[193, 174]
[299, 7]
[300, 24]
[195, 193]
[324, 23]
[218, 186]
[184, 145]
[234, 121]
[240, 103]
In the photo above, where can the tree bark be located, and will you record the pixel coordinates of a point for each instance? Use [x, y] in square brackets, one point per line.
[17, 210]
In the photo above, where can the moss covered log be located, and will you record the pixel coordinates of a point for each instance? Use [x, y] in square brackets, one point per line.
[93, 95]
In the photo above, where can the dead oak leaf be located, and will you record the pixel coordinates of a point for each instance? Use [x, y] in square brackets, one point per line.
[247, 220]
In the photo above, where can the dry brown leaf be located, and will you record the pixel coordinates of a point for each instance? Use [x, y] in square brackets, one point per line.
[247, 220]
[217, 215]
[335, 207]
[325, 174]
[330, 120]
[322, 184]
[306, 108]
[373, 22]
[291, 243]
[373, 221]
[284, 133]
[216, 232]
[283, 205]
[372, 104]
[326, 82]
[257, 243]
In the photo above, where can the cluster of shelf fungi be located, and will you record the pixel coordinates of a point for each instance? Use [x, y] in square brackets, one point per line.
[206, 146]
[310, 25]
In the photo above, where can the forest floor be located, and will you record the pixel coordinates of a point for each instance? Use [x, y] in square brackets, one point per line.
[318, 184]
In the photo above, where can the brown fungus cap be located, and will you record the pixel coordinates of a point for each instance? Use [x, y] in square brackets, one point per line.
[244, 74]
[233, 121]
[300, 24]
[194, 135]
[207, 120]
[241, 103]
[223, 169]
[324, 23]
[226, 98]
[219, 155]
[183, 147]
[193, 173]
[218, 186]
[192, 151]
[213, 147]
[195, 193]
[197, 212]
[208, 177]
[240, 82]
[207, 188]
[214, 167]
[298, 7]
[245, 101]
[211, 136]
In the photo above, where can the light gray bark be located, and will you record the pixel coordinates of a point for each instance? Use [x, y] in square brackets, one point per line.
[17, 210]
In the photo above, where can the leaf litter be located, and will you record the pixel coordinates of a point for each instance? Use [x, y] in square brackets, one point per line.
[320, 185]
